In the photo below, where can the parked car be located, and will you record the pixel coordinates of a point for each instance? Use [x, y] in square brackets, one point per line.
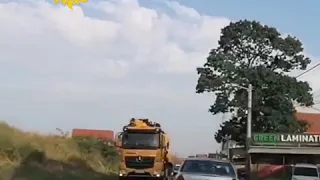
[305, 172]
[206, 169]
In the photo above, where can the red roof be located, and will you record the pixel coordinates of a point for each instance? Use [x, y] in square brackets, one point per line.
[313, 119]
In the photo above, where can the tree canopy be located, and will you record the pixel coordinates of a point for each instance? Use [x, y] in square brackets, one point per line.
[251, 53]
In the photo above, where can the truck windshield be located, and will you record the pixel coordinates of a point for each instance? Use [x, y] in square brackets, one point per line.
[138, 140]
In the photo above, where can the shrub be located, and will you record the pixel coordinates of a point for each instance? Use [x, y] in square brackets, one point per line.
[18, 147]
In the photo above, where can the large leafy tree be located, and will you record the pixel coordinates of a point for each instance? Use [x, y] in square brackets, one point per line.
[252, 53]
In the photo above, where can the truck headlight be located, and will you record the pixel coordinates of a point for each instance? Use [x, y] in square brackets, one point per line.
[122, 172]
[156, 174]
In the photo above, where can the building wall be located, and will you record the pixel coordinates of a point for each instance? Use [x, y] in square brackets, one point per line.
[313, 119]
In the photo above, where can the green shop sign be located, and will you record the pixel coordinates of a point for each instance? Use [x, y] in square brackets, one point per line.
[270, 138]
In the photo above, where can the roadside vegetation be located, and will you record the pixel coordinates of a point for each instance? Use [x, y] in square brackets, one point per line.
[25, 155]
[32, 156]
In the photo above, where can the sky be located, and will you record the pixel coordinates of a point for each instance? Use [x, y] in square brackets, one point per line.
[107, 61]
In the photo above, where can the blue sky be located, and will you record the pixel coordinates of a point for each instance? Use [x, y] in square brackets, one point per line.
[99, 66]
[295, 17]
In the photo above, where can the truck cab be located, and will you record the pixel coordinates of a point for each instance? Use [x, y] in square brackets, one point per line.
[144, 150]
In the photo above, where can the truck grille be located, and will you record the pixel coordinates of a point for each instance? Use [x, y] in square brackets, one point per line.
[139, 163]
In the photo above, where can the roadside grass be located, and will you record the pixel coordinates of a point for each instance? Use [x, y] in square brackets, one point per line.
[31, 156]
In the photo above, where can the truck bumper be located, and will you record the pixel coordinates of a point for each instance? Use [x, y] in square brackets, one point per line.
[136, 173]
[139, 175]
[156, 171]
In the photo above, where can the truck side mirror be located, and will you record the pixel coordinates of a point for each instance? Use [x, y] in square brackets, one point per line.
[117, 140]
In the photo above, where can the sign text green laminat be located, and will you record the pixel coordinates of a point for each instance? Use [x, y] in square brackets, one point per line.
[285, 138]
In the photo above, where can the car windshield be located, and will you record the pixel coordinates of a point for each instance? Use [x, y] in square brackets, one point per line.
[208, 167]
[305, 171]
[138, 140]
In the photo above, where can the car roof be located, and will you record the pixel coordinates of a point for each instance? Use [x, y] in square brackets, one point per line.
[306, 165]
[207, 159]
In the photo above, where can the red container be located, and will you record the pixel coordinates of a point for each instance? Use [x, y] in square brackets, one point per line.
[212, 155]
[106, 135]
[201, 155]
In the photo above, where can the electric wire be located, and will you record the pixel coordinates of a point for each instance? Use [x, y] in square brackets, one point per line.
[312, 68]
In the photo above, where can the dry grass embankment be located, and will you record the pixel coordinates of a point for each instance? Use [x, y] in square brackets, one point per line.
[30, 156]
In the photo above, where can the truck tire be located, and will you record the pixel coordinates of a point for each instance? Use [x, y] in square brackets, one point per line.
[122, 178]
[165, 175]
[170, 171]
[127, 178]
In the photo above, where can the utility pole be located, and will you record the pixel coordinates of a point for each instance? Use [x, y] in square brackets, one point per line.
[225, 146]
[249, 125]
[228, 148]
[249, 120]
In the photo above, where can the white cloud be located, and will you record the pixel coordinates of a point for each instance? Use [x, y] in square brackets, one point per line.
[107, 62]
[130, 35]
[98, 66]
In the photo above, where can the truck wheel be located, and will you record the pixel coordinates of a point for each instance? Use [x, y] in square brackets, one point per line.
[165, 175]
[170, 172]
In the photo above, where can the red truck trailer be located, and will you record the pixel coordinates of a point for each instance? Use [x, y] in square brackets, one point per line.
[213, 155]
[202, 155]
[105, 135]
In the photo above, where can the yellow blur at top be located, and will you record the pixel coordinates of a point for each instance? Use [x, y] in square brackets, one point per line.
[70, 3]
[140, 123]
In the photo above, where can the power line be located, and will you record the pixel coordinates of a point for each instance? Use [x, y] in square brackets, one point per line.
[315, 109]
[314, 92]
[305, 72]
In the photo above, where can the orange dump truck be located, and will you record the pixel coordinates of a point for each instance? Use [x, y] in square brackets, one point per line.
[144, 150]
